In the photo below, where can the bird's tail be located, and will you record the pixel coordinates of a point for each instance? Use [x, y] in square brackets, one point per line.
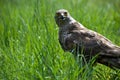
[110, 58]
[110, 61]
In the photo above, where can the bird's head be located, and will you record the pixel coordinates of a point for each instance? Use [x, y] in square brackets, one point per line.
[62, 17]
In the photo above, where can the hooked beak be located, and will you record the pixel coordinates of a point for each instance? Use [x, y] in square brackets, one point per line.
[62, 17]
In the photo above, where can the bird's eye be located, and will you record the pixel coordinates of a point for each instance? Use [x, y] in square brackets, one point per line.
[65, 13]
[58, 14]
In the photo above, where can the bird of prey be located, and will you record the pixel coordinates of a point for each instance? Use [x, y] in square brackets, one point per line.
[74, 36]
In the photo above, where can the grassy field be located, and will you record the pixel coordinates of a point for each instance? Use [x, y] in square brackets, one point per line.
[29, 47]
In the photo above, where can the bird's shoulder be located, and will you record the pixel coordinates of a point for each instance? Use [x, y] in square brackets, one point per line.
[78, 29]
[76, 26]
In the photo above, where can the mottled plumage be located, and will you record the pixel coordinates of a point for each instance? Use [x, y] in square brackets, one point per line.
[73, 34]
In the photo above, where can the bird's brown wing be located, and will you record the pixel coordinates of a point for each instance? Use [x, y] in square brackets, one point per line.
[81, 38]
[90, 40]
[108, 53]
[84, 38]
[78, 34]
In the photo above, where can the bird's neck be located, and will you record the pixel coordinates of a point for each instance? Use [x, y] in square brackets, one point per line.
[68, 22]
[72, 20]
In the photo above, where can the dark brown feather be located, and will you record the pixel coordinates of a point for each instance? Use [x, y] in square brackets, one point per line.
[72, 35]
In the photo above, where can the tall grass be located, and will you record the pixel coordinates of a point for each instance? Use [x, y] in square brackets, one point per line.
[29, 48]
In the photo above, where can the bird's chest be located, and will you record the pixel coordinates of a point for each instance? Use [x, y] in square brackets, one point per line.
[62, 36]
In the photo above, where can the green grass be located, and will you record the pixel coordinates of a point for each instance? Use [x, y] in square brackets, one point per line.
[29, 47]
